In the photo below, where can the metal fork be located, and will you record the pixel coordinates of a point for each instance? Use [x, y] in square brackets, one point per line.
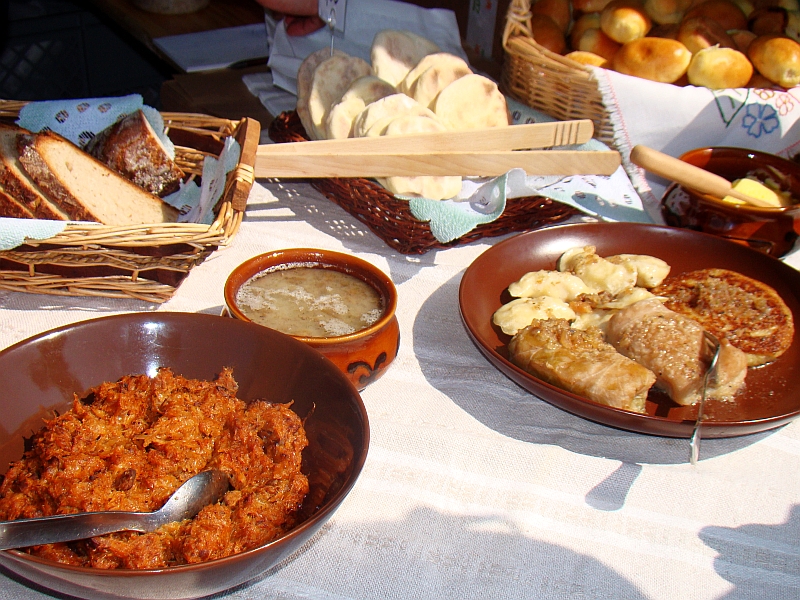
[714, 347]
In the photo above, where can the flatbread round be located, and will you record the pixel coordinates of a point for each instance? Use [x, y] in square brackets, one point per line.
[394, 53]
[363, 91]
[377, 115]
[432, 74]
[471, 102]
[426, 186]
[305, 74]
[331, 79]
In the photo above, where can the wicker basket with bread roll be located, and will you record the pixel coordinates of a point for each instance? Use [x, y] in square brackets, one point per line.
[718, 44]
[409, 86]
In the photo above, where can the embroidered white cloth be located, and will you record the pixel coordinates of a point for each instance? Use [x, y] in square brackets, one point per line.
[676, 119]
[474, 488]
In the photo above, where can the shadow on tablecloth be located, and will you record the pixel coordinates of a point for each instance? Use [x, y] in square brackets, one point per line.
[770, 548]
[506, 563]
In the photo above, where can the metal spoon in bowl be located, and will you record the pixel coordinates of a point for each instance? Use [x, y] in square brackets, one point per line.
[204, 488]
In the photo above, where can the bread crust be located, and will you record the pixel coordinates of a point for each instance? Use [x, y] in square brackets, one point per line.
[131, 148]
[9, 207]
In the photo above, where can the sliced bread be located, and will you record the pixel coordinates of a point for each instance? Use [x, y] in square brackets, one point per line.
[15, 182]
[85, 188]
[133, 149]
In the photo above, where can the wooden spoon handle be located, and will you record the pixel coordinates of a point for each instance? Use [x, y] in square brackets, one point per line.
[688, 175]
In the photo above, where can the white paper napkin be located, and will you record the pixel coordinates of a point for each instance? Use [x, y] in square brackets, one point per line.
[215, 49]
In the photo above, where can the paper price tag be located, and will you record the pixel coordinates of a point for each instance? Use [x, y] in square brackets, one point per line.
[333, 13]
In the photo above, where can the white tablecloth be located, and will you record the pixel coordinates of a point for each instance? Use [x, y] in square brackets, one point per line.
[474, 488]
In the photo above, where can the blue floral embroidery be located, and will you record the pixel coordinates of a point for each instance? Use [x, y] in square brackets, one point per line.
[760, 119]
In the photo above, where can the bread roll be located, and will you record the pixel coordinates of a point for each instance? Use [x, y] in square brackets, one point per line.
[471, 102]
[701, 32]
[741, 39]
[558, 10]
[768, 19]
[589, 58]
[725, 12]
[547, 33]
[665, 12]
[597, 42]
[719, 68]
[759, 82]
[589, 6]
[777, 58]
[583, 23]
[625, 20]
[656, 59]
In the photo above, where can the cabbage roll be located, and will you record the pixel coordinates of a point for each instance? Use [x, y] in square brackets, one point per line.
[581, 362]
[673, 347]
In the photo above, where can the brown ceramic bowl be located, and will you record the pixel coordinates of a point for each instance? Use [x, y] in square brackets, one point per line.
[772, 393]
[42, 373]
[363, 356]
[770, 230]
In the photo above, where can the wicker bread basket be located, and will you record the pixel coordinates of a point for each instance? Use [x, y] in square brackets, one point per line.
[146, 262]
[390, 218]
[551, 83]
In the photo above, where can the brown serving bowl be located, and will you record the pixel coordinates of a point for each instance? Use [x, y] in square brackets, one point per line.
[363, 356]
[769, 230]
[41, 374]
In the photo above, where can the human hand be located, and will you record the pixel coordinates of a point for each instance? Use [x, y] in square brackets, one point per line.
[299, 16]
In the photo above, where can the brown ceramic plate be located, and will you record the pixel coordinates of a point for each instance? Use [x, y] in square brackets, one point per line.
[772, 394]
[42, 373]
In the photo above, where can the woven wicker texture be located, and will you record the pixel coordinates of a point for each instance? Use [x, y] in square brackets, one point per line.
[390, 218]
[146, 262]
[546, 81]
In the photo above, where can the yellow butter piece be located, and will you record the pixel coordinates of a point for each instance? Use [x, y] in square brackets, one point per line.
[756, 189]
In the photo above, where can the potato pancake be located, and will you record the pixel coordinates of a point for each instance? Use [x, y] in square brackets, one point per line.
[750, 314]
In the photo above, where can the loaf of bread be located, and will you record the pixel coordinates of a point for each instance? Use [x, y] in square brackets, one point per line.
[83, 187]
[134, 150]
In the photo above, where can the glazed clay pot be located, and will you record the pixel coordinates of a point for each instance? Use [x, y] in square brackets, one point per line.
[363, 356]
[770, 230]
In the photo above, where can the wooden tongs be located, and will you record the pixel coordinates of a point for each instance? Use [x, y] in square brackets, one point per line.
[479, 152]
